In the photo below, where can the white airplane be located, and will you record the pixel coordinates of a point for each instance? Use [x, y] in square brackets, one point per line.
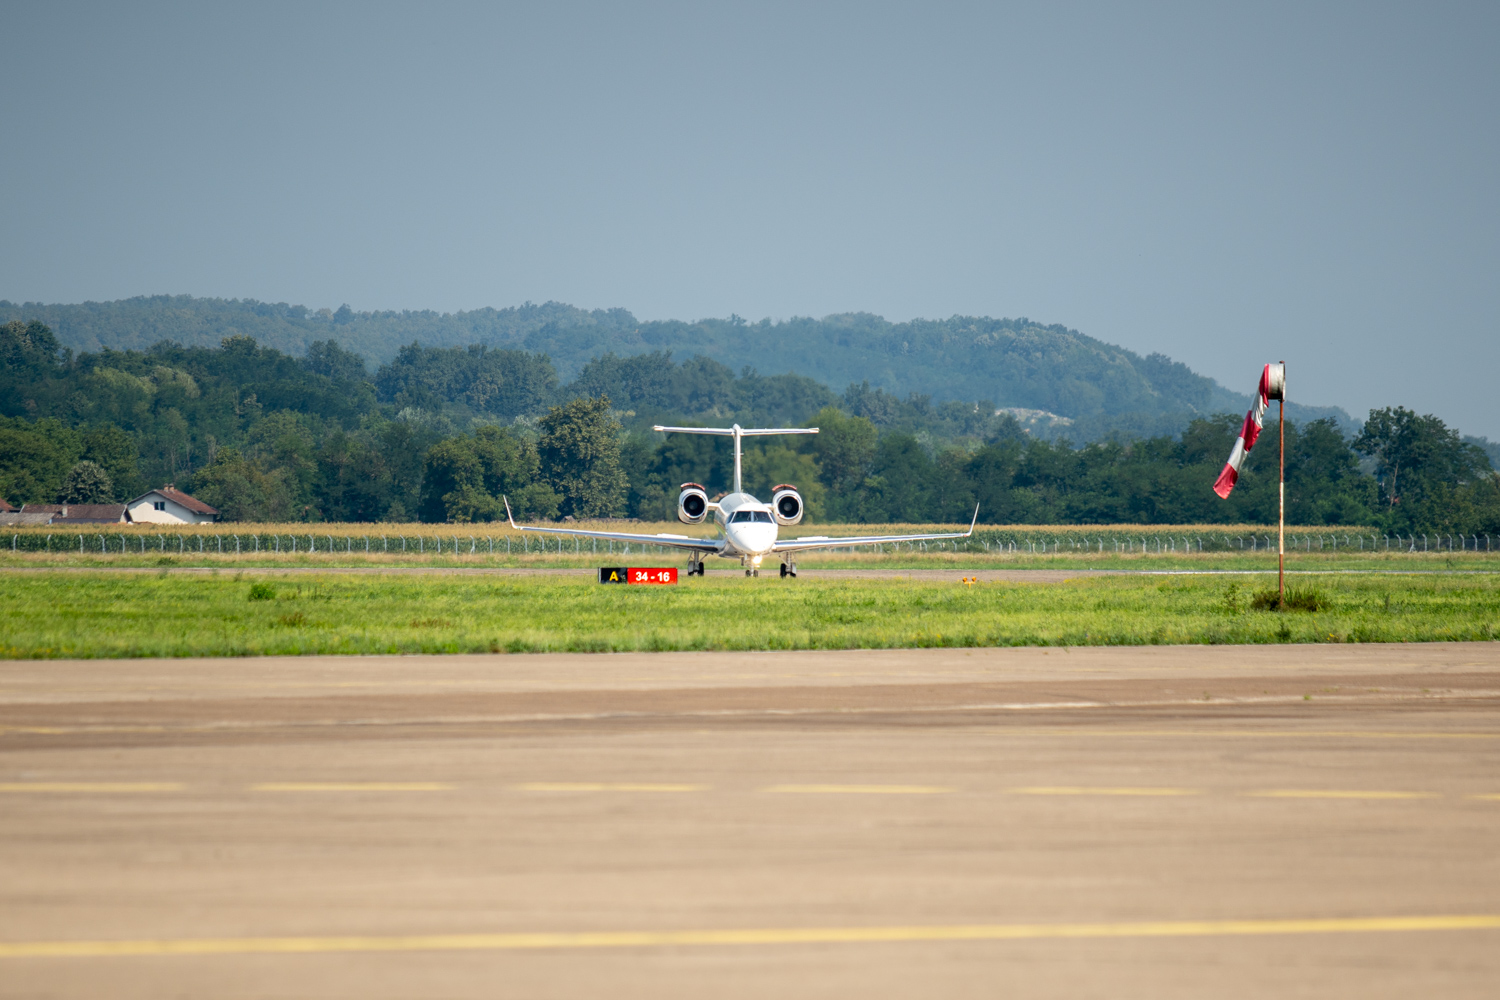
[748, 528]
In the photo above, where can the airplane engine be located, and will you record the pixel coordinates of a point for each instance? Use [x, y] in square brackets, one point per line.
[787, 503]
[692, 504]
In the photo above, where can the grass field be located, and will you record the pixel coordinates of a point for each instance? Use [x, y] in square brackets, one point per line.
[95, 614]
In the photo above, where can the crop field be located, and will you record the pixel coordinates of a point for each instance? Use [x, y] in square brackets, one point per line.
[57, 613]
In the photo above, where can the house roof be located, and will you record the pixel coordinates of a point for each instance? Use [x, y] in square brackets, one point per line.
[79, 513]
[17, 519]
[177, 496]
[90, 513]
[6, 508]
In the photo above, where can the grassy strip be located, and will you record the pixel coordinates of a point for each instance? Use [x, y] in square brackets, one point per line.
[1248, 562]
[73, 615]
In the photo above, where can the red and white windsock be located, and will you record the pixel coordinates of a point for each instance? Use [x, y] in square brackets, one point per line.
[1272, 386]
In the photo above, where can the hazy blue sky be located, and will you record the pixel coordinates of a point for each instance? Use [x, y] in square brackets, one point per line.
[1229, 184]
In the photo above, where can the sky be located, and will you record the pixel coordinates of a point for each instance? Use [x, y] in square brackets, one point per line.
[1229, 184]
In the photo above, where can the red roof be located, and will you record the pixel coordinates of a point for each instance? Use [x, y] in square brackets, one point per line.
[5, 508]
[191, 503]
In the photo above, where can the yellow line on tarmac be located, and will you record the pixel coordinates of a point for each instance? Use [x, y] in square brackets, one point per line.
[753, 936]
[90, 786]
[351, 786]
[1315, 793]
[1066, 790]
[1267, 733]
[1486, 797]
[859, 789]
[605, 786]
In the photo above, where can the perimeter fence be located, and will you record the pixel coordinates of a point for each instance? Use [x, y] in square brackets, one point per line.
[995, 541]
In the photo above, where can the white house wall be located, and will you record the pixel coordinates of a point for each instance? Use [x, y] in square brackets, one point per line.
[176, 513]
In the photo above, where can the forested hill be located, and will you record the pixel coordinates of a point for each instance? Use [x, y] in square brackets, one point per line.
[1009, 362]
[443, 433]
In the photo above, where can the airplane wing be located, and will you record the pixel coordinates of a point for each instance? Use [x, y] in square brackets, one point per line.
[823, 542]
[675, 541]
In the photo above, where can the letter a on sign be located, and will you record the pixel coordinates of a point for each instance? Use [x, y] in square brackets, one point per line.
[614, 574]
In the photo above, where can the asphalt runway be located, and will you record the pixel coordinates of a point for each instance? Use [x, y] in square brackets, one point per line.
[1145, 822]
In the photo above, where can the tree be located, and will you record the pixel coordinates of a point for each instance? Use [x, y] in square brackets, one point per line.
[86, 482]
[242, 492]
[466, 479]
[502, 383]
[327, 358]
[35, 458]
[115, 452]
[1419, 462]
[845, 446]
[580, 457]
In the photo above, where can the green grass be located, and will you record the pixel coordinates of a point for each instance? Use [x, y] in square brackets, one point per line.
[1262, 561]
[49, 614]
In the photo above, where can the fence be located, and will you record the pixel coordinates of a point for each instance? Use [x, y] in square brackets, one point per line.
[984, 540]
[1188, 542]
[222, 543]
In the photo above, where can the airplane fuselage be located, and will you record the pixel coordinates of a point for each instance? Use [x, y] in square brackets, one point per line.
[749, 528]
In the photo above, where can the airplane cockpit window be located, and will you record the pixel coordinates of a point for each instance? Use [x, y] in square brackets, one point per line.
[740, 517]
[761, 515]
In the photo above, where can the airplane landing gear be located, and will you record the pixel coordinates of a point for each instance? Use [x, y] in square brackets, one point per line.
[789, 569]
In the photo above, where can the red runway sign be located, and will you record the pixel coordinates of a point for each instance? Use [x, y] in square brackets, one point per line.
[637, 574]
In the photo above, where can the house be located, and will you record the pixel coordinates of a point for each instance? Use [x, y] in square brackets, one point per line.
[6, 508]
[169, 505]
[79, 513]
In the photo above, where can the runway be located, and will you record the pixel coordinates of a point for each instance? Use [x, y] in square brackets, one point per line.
[1174, 821]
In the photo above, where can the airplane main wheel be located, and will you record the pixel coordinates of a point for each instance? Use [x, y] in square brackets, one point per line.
[783, 571]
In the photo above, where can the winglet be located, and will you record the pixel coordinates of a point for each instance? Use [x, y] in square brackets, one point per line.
[973, 522]
[512, 520]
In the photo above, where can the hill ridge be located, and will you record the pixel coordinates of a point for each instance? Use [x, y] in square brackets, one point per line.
[1009, 362]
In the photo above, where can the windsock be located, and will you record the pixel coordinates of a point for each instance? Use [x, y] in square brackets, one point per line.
[1272, 386]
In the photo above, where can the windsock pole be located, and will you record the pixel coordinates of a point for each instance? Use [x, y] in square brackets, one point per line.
[1281, 494]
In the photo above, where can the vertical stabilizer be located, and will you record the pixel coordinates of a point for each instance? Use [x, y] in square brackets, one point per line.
[737, 432]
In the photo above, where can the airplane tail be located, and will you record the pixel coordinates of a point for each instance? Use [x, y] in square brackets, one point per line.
[736, 432]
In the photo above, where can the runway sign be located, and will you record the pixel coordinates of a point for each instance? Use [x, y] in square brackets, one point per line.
[637, 574]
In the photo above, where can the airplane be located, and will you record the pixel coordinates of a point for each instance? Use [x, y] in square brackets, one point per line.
[748, 528]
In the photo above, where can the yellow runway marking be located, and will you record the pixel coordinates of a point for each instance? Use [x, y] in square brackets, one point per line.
[1103, 791]
[606, 786]
[858, 789]
[351, 786]
[762, 936]
[1314, 793]
[1487, 797]
[1269, 733]
[91, 786]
